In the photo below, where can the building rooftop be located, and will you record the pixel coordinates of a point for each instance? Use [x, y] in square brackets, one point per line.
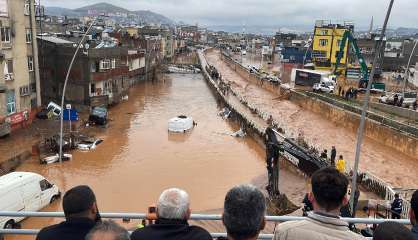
[54, 40]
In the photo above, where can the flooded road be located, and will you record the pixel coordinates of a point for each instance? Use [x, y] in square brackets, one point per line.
[139, 158]
[385, 162]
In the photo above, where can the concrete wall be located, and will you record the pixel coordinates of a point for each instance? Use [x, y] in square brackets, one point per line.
[401, 112]
[375, 130]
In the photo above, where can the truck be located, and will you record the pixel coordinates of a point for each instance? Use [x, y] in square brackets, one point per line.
[24, 191]
[307, 77]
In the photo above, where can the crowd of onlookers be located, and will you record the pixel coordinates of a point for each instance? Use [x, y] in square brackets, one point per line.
[243, 216]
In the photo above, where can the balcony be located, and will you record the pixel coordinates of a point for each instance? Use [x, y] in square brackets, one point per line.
[110, 74]
[3, 88]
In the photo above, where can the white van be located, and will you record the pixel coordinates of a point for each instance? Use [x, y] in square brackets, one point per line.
[24, 191]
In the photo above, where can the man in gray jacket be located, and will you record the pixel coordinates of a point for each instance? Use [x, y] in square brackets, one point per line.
[329, 189]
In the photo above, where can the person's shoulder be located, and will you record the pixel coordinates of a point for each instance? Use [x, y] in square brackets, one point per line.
[140, 232]
[286, 226]
[355, 236]
[47, 232]
[203, 233]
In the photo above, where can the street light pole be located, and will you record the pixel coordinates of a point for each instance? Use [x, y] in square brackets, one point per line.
[407, 67]
[360, 132]
[65, 85]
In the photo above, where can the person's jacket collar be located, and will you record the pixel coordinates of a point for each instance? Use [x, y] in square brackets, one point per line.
[165, 221]
[328, 220]
[79, 221]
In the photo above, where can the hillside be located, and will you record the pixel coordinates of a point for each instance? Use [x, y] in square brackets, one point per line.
[140, 16]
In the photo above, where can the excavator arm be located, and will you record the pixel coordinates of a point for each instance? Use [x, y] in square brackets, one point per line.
[352, 42]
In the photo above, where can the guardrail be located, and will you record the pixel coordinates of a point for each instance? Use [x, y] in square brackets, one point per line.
[210, 217]
[407, 129]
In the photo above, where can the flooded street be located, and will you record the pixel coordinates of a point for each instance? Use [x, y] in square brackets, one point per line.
[139, 158]
[385, 162]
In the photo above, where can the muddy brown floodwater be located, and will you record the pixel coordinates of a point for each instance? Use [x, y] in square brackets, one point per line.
[383, 161]
[139, 158]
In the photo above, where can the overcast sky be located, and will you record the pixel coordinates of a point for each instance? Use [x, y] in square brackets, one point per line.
[280, 13]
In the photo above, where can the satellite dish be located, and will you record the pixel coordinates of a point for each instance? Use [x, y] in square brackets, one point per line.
[86, 46]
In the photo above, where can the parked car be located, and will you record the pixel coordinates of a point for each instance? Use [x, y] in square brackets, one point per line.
[89, 144]
[323, 87]
[387, 98]
[409, 99]
[98, 116]
[24, 191]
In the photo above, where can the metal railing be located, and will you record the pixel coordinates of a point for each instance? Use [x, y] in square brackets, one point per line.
[209, 217]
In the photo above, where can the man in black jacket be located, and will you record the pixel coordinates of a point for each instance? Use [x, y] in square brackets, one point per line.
[81, 214]
[173, 211]
[396, 207]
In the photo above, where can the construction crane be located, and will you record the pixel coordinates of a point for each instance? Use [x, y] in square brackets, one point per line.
[348, 36]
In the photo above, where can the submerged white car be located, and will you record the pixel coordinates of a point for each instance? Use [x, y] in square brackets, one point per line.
[89, 144]
[180, 124]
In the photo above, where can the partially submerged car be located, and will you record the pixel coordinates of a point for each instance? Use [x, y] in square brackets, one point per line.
[98, 116]
[89, 144]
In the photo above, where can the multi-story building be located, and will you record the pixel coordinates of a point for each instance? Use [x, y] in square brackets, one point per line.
[19, 71]
[326, 44]
[100, 76]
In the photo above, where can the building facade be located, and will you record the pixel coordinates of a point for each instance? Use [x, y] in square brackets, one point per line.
[19, 70]
[326, 44]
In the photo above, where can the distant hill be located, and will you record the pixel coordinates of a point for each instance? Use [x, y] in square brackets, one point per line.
[139, 16]
[101, 7]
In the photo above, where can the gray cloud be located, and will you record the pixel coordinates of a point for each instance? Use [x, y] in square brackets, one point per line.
[290, 13]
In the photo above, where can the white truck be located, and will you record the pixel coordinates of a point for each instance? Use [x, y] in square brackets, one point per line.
[24, 191]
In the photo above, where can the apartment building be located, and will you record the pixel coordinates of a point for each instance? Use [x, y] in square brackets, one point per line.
[19, 71]
[326, 44]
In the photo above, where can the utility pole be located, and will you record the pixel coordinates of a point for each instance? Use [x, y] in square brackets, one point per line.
[408, 66]
[360, 132]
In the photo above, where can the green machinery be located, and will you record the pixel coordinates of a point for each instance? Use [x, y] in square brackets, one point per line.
[348, 36]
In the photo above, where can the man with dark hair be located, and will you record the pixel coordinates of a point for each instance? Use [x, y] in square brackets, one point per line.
[244, 213]
[81, 215]
[329, 189]
[396, 207]
[108, 230]
[413, 213]
[392, 231]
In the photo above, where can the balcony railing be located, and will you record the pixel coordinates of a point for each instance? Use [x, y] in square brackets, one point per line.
[213, 217]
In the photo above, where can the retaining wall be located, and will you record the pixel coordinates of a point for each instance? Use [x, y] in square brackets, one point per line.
[398, 111]
[397, 135]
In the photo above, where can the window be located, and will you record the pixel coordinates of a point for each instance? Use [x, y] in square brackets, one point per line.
[24, 91]
[11, 102]
[105, 64]
[92, 88]
[324, 32]
[33, 87]
[8, 70]
[113, 63]
[5, 34]
[45, 185]
[26, 11]
[28, 35]
[30, 63]
[323, 42]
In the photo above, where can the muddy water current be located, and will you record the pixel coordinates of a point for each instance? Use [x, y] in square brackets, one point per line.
[139, 158]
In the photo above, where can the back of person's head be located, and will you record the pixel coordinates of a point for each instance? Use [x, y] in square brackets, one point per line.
[413, 212]
[244, 212]
[80, 201]
[396, 195]
[329, 188]
[108, 230]
[174, 204]
[392, 231]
